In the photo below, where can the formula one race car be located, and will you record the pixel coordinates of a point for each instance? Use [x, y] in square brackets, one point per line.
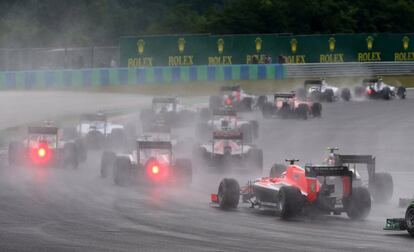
[233, 97]
[97, 132]
[288, 105]
[227, 149]
[315, 188]
[400, 224]
[320, 90]
[380, 184]
[227, 119]
[152, 163]
[169, 110]
[375, 88]
[42, 147]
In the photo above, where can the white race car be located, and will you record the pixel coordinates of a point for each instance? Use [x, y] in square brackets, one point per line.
[320, 90]
[376, 88]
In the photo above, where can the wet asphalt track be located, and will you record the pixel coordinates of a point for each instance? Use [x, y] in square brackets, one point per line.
[73, 210]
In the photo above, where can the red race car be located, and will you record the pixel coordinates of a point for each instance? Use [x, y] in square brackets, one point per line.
[326, 189]
[288, 105]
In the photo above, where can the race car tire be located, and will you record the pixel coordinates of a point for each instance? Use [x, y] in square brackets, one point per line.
[107, 163]
[409, 220]
[290, 201]
[95, 139]
[215, 102]
[246, 104]
[16, 153]
[346, 94]
[82, 150]
[185, 170]
[276, 170]
[70, 155]
[401, 92]
[302, 111]
[386, 93]
[248, 133]
[261, 100]
[301, 93]
[359, 91]
[255, 127]
[255, 159]
[358, 205]
[382, 187]
[205, 114]
[267, 110]
[316, 109]
[228, 194]
[328, 95]
[122, 171]
[117, 138]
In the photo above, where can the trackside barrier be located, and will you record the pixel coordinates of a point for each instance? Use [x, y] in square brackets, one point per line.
[136, 76]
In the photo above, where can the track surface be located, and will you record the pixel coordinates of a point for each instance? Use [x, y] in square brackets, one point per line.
[69, 210]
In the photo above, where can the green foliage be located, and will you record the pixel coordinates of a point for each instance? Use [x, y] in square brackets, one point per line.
[40, 23]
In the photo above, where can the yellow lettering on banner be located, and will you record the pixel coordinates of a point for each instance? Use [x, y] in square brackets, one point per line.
[140, 62]
[404, 56]
[186, 60]
[331, 58]
[261, 58]
[298, 59]
[369, 56]
[220, 60]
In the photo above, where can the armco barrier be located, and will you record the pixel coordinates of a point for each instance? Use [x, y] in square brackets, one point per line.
[136, 76]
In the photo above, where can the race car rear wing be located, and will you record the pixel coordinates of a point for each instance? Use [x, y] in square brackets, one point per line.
[369, 160]
[164, 100]
[93, 117]
[222, 135]
[230, 88]
[43, 130]
[154, 144]
[327, 171]
[283, 95]
[224, 112]
[312, 82]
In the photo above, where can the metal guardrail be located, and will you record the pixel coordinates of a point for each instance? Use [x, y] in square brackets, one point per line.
[317, 70]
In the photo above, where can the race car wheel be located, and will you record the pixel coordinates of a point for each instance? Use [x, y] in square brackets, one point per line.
[267, 110]
[346, 94]
[246, 104]
[184, 170]
[255, 159]
[16, 153]
[316, 109]
[70, 155]
[95, 139]
[409, 220]
[214, 102]
[255, 127]
[359, 91]
[302, 111]
[117, 138]
[358, 205]
[386, 93]
[107, 163]
[122, 171]
[329, 95]
[382, 187]
[401, 92]
[277, 170]
[247, 131]
[228, 194]
[290, 202]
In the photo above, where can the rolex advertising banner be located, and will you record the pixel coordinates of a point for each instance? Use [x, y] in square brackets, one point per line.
[189, 50]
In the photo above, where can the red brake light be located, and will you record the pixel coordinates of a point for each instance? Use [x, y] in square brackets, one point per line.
[41, 155]
[155, 169]
[229, 101]
[41, 152]
[370, 91]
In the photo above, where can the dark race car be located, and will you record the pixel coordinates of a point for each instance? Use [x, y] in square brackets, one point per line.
[313, 189]
[320, 90]
[169, 110]
[227, 150]
[151, 163]
[375, 88]
[400, 224]
[43, 147]
[288, 105]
